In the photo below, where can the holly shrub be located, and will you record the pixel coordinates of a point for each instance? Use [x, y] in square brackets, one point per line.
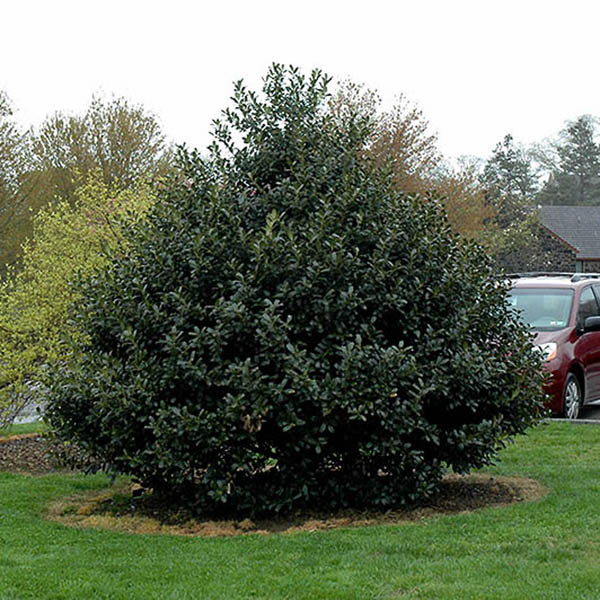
[287, 330]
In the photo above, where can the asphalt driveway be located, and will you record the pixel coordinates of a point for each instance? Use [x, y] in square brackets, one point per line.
[590, 413]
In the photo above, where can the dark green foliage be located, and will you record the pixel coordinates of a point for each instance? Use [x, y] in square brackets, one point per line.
[287, 330]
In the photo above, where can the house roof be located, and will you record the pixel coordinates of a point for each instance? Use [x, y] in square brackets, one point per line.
[577, 226]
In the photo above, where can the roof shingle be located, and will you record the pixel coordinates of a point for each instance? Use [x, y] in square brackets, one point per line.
[578, 226]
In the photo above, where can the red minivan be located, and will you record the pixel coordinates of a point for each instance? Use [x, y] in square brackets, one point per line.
[563, 311]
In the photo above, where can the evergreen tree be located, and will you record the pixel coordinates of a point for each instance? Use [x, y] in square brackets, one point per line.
[510, 172]
[576, 179]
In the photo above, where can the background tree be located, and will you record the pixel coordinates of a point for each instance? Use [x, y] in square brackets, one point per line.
[69, 240]
[510, 180]
[288, 329]
[401, 139]
[525, 245]
[115, 140]
[509, 172]
[575, 167]
[12, 149]
[400, 136]
[516, 241]
[469, 211]
[15, 184]
[120, 140]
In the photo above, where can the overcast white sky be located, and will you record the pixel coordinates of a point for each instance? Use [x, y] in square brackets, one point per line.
[477, 68]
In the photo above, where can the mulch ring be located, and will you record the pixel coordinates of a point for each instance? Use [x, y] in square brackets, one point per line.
[114, 508]
[129, 509]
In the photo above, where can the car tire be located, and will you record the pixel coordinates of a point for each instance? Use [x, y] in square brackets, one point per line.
[572, 397]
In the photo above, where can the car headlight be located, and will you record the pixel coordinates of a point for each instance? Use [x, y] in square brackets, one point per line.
[548, 350]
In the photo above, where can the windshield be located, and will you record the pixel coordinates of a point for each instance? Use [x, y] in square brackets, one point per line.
[542, 309]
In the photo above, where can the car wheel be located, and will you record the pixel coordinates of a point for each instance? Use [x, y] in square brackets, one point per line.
[572, 397]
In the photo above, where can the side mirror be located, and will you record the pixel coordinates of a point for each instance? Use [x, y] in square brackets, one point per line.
[591, 324]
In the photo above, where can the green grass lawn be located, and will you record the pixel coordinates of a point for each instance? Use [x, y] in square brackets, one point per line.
[546, 549]
[34, 427]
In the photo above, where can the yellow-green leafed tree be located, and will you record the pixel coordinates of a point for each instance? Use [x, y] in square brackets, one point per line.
[69, 240]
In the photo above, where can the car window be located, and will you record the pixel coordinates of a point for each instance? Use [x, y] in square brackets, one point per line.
[596, 288]
[588, 307]
[542, 309]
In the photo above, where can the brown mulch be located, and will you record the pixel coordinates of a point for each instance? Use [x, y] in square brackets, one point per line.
[33, 454]
[123, 510]
[29, 453]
